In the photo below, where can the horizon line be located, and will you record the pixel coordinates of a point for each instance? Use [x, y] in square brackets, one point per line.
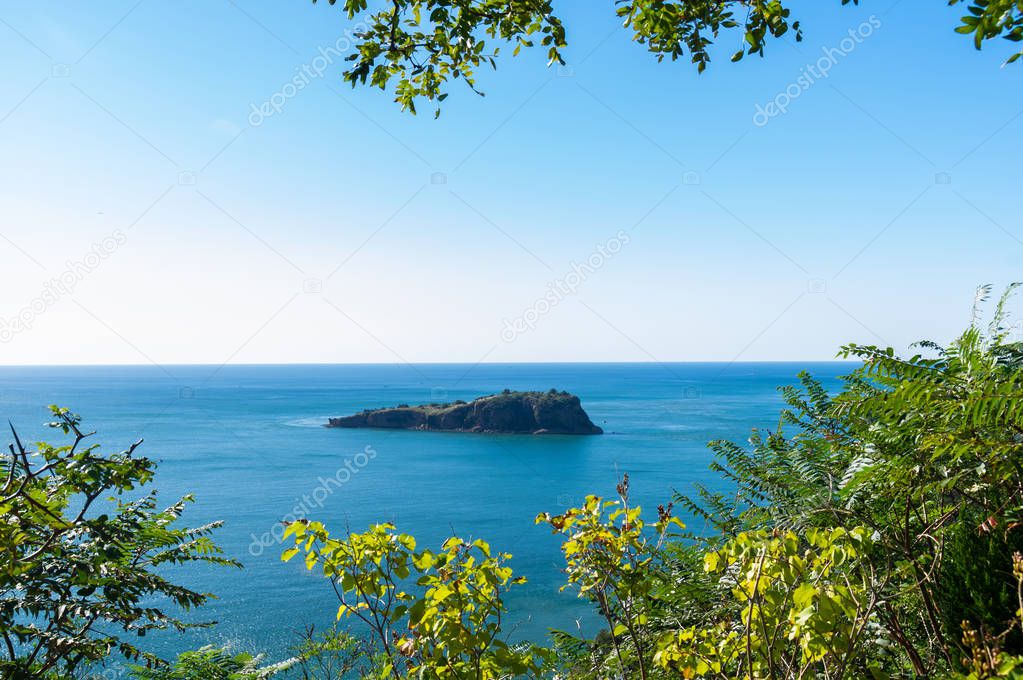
[433, 363]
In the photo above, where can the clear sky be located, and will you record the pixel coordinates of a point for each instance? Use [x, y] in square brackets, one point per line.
[615, 210]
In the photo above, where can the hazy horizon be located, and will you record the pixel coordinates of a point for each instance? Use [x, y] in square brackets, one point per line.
[145, 364]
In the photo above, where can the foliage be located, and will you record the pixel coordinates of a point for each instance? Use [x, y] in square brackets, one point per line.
[331, 655]
[985, 657]
[612, 561]
[922, 451]
[802, 605]
[415, 47]
[448, 626]
[989, 19]
[780, 481]
[670, 28]
[82, 564]
[425, 43]
[207, 663]
[552, 400]
[977, 581]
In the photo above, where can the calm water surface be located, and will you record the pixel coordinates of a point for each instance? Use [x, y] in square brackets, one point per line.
[248, 441]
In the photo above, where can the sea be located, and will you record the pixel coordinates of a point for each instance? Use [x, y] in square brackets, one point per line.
[249, 442]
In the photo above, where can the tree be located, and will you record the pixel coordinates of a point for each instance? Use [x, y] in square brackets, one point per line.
[81, 562]
[420, 45]
[926, 453]
[799, 607]
[430, 613]
[613, 560]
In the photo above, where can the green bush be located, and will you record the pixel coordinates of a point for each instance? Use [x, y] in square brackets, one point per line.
[978, 584]
[82, 565]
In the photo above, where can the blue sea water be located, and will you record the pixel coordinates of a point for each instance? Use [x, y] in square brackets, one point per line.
[248, 442]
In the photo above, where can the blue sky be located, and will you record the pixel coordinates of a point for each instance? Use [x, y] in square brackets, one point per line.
[343, 230]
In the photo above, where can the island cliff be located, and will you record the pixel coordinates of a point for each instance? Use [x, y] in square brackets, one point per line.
[550, 412]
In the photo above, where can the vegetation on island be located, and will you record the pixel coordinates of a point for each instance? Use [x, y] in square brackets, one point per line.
[875, 533]
[415, 47]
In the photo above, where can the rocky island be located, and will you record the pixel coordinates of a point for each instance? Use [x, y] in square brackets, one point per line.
[510, 412]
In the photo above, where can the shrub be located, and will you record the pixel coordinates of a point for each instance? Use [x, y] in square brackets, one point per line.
[80, 572]
[431, 614]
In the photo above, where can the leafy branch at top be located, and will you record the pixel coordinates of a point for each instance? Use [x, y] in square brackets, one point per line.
[415, 47]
